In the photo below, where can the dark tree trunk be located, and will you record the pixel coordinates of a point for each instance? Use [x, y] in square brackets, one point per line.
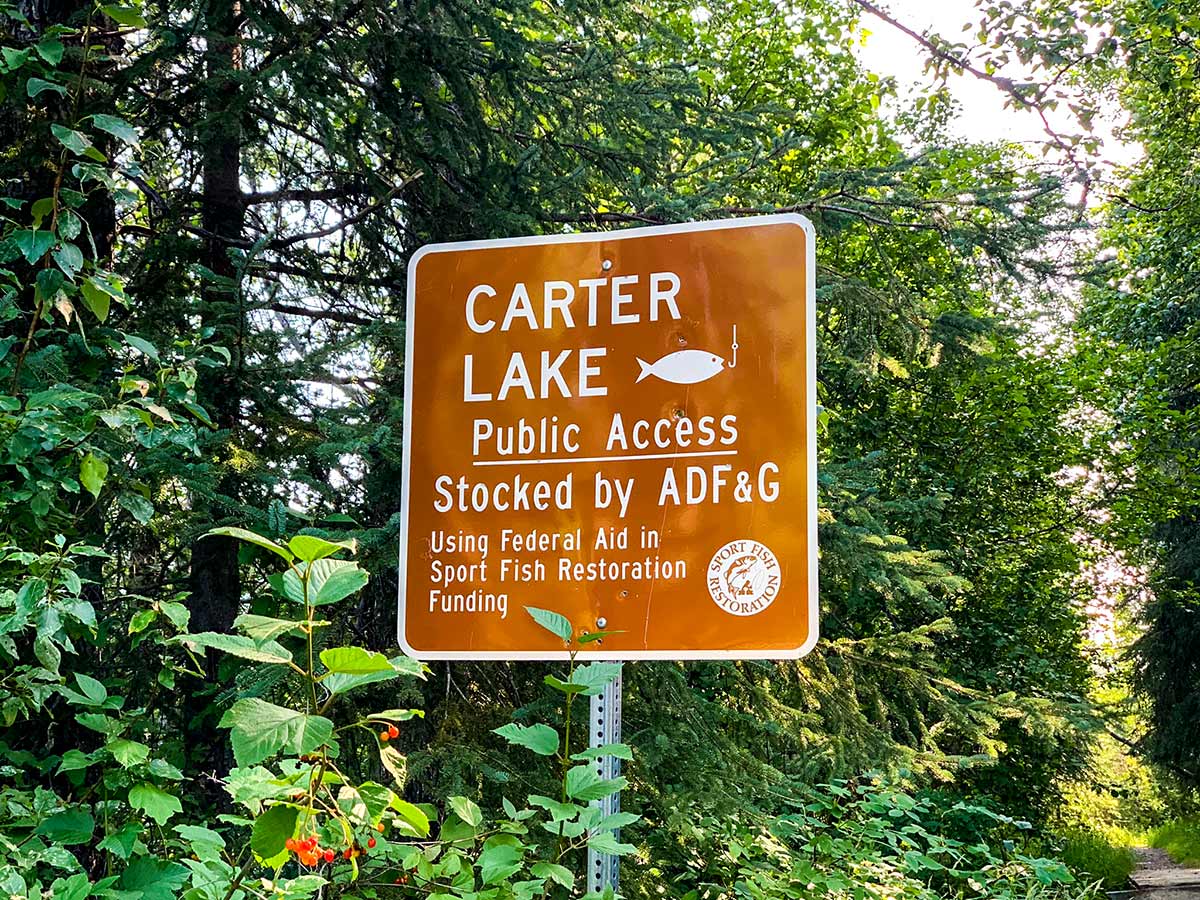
[214, 578]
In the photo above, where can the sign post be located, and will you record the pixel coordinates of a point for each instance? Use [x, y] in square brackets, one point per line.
[604, 727]
[621, 427]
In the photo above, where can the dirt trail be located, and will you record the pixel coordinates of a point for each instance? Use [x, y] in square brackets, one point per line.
[1158, 878]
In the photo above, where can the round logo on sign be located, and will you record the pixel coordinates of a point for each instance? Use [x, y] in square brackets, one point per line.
[744, 577]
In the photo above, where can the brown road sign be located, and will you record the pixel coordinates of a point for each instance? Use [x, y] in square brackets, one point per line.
[619, 427]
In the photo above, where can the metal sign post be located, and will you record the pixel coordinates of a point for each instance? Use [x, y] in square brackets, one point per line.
[604, 727]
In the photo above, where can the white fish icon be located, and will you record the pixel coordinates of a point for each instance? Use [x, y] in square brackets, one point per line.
[683, 367]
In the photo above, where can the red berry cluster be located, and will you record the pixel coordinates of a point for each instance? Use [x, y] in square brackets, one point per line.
[388, 733]
[308, 851]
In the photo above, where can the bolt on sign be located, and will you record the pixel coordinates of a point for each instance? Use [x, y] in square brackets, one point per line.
[619, 427]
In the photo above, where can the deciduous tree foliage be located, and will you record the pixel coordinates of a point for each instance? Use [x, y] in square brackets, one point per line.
[208, 209]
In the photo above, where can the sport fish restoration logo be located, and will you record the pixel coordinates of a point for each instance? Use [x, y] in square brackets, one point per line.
[744, 578]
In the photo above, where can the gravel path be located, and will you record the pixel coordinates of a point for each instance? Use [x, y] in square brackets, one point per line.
[1159, 878]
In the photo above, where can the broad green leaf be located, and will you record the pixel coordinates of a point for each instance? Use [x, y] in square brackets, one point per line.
[540, 739]
[92, 473]
[556, 873]
[50, 49]
[237, 645]
[69, 259]
[127, 753]
[261, 730]
[77, 887]
[74, 760]
[412, 815]
[620, 751]
[124, 15]
[154, 802]
[308, 547]
[97, 300]
[340, 584]
[75, 141]
[566, 687]
[151, 878]
[467, 811]
[94, 689]
[35, 86]
[584, 784]
[72, 826]
[271, 830]
[141, 620]
[395, 763]
[558, 811]
[606, 842]
[115, 126]
[148, 350]
[263, 628]
[32, 244]
[555, 623]
[250, 537]
[354, 661]
[594, 676]
[498, 862]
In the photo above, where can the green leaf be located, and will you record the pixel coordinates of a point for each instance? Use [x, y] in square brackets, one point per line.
[75, 141]
[141, 620]
[35, 86]
[32, 244]
[354, 661]
[556, 873]
[308, 547]
[94, 689]
[467, 811]
[594, 676]
[74, 760]
[498, 862]
[606, 842]
[566, 687]
[124, 15]
[263, 628]
[271, 830]
[155, 802]
[555, 623]
[13, 58]
[50, 49]
[69, 259]
[77, 887]
[72, 826]
[412, 816]
[92, 473]
[147, 349]
[250, 537]
[97, 300]
[127, 753]
[151, 878]
[558, 811]
[540, 739]
[238, 645]
[115, 126]
[620, 751]
[261, 730]
[340, 584]
[584, 784]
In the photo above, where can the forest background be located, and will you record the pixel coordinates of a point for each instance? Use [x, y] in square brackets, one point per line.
[207, 210]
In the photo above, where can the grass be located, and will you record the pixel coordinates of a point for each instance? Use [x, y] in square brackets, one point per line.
[1181, 839]
[1105, 855]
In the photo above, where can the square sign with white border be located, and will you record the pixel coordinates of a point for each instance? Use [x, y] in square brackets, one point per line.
[619, 427]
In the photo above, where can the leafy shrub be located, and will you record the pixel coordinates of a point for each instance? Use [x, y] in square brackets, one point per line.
[1181, 839]
[1104, 855]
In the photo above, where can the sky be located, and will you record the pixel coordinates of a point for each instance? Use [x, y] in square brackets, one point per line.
[982, 114]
